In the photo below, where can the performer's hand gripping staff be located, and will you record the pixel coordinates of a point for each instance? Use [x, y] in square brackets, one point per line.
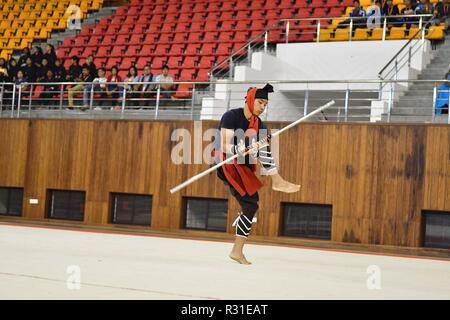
[250, 149]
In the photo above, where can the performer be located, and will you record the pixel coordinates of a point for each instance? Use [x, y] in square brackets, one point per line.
[241, 128]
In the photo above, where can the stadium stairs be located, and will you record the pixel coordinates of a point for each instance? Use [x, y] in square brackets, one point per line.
[416, 103]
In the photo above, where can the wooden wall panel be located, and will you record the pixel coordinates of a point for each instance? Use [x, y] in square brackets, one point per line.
[377, 177]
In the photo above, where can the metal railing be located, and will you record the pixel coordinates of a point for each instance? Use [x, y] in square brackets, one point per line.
[310, 29]
[355, 100]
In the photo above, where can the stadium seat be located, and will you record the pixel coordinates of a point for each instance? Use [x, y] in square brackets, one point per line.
[396, 33]
[360, 34]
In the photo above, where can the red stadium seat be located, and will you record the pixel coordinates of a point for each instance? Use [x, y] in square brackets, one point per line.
[174, 62]
[207, 62]
[211, 36]
[190, 62]
[184, 91]
[203, 75]
[192, 49]
[208, 49]
[187, 74]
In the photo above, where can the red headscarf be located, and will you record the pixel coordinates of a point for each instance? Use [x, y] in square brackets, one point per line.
[250, 100]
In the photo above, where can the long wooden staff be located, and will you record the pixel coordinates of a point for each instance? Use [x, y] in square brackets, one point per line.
[262, 143]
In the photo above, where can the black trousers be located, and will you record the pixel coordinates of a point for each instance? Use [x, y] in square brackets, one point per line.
[249, 206]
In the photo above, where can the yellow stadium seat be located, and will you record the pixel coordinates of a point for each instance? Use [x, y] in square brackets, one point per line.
[413, 31]
[27, 24]
[6, 54]
[400, 7]
[398, 2]
[24, 15]
[377, 34]
[360, 34]
[396, 33]
[17, 23]
[335, 22]
[341, 34]
[348, 10]
[5, 24]
[325, 35]
[365, 3]
[435, 33]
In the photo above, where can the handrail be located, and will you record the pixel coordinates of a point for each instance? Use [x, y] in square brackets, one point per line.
[278, 23]
[348, 81]
[403, 48]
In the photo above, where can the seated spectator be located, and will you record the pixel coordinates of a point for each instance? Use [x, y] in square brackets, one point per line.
[409, 10]
[442, 97]
[113, 89]
[424, 7]
[23, 58]
[21, 80]
[100, 87]
[74, 70]
[12, 69]
[391, 10]
[90, 64]
[41, 72]
[441, 14]
[4, 75]
[359, 14]
[132, 90]
[50, 90]
[83, 86]
[166, 83]
[36, 55]
[146, 89]
[30, 70]
[59, 71]
[50, 55]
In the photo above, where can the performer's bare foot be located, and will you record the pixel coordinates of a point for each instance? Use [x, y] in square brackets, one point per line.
[279, 184]
[239, 258]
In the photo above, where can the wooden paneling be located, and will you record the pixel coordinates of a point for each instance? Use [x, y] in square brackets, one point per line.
[377, 177]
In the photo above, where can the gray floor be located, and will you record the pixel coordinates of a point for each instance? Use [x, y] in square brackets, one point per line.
[41, 263]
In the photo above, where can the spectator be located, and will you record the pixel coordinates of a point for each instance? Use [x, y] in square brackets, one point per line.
[59, 71]
[408, 10]
[390, 10]
[442, 97]
[12, 69]
[50, 90]
[146, 88]
[113, 89]
[23, 58]
[36, 55]
[4, 75]
[82, 87]
[74, 70]
[50, 55]
[358, 15]
[132, 90]
[21, 81]
[166, 83]
[441, 14]
[100, 86]
[90, 64]
[30, 70]
[41, 72]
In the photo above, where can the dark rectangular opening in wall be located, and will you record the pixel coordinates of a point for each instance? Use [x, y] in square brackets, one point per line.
[436, 229]
[66, 204]
[11, 200]
[132, 209]
[206, 214]
[307, 220]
